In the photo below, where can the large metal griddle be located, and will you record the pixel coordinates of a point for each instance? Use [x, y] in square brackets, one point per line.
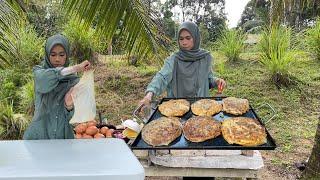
[216, 143]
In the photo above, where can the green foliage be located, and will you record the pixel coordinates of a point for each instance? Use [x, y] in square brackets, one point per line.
[12, 126]
[46, 16]
[8, 25]
[139, 26]
[231, 43]
[205, 36]
[27, 97]
[83, 42]
[277, 53]
[255, 15]
[27, 48]
[10, 81]
[313, 40]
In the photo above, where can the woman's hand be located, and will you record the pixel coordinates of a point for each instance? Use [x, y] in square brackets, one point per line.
[146, 101]
[68, 101]
[84, 66]
[221, 84]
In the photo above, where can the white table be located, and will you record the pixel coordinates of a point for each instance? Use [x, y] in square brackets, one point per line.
[72, 159]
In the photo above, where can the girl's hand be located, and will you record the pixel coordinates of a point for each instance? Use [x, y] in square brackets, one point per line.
[68, 101]
[84, 66]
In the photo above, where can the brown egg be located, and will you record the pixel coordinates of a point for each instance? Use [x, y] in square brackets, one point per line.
[92, 130]
[104, 130]
[92, 123]
[111, 130]
[99, 135]
[86, 136]
[80, 128]
[78, 136]
[109, 133]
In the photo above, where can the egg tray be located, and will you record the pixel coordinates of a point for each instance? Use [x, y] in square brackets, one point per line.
[215, 143]
[100, 125]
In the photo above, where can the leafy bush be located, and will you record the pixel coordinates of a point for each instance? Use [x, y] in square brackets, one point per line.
[231, 43]
[83, 42]
[27, 97]
[12, 126]
[313, 39]
[10, 81]
[277, 51]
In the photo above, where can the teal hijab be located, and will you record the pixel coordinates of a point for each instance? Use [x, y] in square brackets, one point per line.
[57, 39]
[190, 66]
[195, 53]
[68, 81]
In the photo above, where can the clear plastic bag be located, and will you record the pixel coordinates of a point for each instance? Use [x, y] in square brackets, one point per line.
[84, 99]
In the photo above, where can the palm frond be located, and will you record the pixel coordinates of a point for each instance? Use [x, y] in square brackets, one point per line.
[8, 24]
[142, 32]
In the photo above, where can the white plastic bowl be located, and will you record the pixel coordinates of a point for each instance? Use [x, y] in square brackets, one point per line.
[131, 124]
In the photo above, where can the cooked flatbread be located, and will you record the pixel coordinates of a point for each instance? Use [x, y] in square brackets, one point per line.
[243, 131]
[201, 128]
[235, 106]
[162, 131]
[206, 107]
[174, 107]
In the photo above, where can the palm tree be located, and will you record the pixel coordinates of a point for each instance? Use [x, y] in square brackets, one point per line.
[8, 24]
[139, 25]
[290, 11]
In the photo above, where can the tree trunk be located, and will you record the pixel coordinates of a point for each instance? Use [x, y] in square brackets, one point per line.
[110, 49]
[22, 5]
[276, 12]
[312, 170]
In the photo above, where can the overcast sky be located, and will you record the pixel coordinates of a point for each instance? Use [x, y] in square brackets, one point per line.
[234, 10]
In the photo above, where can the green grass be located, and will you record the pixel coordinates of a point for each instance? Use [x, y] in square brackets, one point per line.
[297, 107]
[231, 43]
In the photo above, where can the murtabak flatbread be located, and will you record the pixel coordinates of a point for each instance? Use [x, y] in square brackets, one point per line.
[243, 131]
[235, 106]
[201, 128]
[162, 131]
[174, 107]
[206, 107]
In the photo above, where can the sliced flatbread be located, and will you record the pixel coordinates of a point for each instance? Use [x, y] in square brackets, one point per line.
[235, 106]
[206, 107]
[162, 131]
[243, 131]
[201, 128]
[174, 107]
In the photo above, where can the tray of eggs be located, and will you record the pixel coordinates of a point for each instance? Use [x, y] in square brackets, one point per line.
[94, 130]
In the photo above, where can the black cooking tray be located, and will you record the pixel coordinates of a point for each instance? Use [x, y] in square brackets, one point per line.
[216, 143]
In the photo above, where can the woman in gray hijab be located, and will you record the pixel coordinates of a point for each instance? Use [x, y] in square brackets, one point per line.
[186, 73]
[53, 85]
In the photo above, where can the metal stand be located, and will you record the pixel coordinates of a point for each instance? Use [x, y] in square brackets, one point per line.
[201, 163]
